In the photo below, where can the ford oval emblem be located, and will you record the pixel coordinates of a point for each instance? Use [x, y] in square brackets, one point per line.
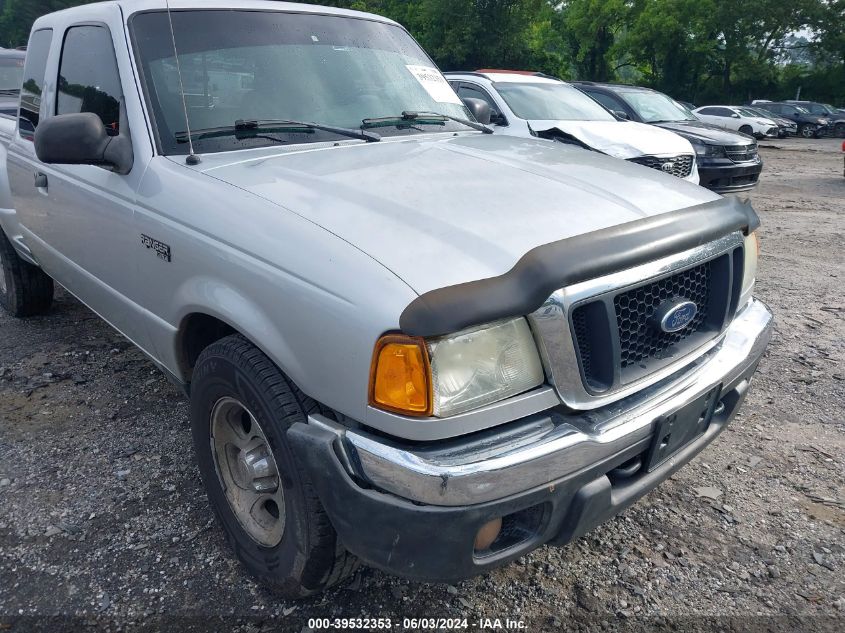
[675, 315]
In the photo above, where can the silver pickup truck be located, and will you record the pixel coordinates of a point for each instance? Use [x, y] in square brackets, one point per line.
[405, 340]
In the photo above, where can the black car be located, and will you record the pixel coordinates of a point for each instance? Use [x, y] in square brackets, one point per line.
[728, 162]
[827, 111]
[809, 125]
[11, 76]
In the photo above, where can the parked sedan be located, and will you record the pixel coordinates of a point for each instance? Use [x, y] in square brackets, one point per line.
[530, 105]
[785, 126]
[739, 119]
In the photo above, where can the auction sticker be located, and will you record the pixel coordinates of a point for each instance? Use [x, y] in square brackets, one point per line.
[435, 84]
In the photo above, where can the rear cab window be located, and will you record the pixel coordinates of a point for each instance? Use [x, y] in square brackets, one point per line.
[34, 72]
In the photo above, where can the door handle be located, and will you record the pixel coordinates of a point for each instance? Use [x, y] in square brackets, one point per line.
[40, 181]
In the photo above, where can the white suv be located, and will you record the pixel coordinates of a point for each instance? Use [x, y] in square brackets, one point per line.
[533, 105]
[739, 119]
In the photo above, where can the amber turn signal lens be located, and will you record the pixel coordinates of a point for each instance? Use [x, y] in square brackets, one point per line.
[400, 377]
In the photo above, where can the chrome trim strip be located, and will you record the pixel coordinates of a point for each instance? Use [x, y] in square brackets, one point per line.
[554, 336]
[422, 429]
[547, 448]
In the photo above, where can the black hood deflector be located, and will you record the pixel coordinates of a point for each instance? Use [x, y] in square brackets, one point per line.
[549, 267]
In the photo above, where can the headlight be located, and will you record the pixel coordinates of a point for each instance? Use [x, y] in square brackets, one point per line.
[713, 151]
[457, 373]
[749, 274]
[482, 366]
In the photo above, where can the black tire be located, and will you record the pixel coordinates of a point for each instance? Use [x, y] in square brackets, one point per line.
[309, 558]
[807, 130]
[25, 290]
[840, 130]
[746, 129]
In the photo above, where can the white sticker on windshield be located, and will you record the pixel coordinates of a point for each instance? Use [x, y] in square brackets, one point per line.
[435, 84]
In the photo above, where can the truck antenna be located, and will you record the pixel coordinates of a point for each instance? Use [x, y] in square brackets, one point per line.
[192, 159]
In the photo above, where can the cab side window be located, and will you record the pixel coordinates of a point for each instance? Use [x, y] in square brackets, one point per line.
[33, 82]
[88, 77]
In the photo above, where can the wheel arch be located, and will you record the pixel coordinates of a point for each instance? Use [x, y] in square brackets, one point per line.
[200, 326]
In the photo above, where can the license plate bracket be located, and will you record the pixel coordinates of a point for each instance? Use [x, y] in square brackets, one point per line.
[674, 431]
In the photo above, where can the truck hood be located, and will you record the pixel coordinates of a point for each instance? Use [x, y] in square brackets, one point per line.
[620, 139]
[441, 210]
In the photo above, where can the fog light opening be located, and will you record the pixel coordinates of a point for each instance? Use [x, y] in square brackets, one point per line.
[487, 535]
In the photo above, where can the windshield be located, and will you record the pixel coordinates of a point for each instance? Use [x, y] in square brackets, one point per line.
[751, 113]
[813, 108]
[551, 102]
[270, 65]
[11, 73]
[653, 107]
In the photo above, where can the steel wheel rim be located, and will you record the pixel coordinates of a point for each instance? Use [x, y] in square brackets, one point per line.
[247, 471]
[807, 132]
[2, 276]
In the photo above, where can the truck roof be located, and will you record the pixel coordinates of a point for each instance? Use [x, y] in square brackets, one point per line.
[129, 7]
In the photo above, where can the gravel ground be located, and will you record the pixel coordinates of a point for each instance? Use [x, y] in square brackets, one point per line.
[103, 519]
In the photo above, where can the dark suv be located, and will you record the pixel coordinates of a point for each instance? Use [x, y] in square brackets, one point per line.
[809, 125]
[727, 161]
[827, 111]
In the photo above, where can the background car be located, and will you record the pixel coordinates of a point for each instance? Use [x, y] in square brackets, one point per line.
[809, 125]
[11, 75]
[827, 111]
[785, 126]
[531, 105]
[739, 119]
[728, 162]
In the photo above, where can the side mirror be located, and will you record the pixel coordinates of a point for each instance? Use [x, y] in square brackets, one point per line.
[496, 118]
[621, 114]
[734, 116]
[480, 110]
[81, 139]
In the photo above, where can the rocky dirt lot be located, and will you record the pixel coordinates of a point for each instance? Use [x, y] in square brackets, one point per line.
[103, 520]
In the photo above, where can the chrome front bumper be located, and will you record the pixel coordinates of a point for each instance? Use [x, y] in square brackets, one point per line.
[547, 447]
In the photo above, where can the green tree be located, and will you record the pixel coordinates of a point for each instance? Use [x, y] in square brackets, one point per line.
[591, 28]
[17, 16]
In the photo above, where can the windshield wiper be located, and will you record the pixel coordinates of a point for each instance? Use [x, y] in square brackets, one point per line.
[422, 118]
[250, 128]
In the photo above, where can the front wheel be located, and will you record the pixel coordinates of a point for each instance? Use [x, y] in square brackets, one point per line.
[25, 290]
[840, 130]
[807, 130]
[241, 409]
[746, 129]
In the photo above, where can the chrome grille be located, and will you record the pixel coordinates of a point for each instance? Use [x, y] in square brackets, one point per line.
[591, 334]
[680, 166]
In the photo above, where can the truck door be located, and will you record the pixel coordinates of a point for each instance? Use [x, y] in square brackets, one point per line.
[78, 219]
